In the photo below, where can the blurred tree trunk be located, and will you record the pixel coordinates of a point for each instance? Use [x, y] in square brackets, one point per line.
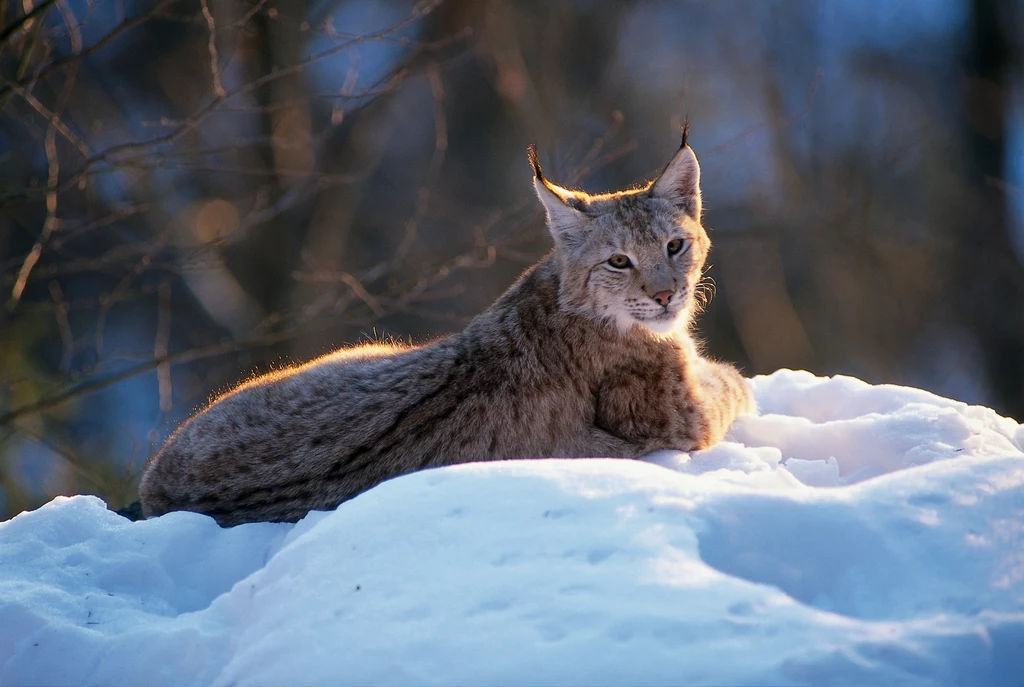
[990, 282]
[286, 149]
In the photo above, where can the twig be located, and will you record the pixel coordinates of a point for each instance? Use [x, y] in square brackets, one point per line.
[51, 117]
[49, 224]
[250, 14]
[324, 277]
[24, 20]
[211, 45]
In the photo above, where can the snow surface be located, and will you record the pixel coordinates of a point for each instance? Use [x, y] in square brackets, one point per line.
[849, 534]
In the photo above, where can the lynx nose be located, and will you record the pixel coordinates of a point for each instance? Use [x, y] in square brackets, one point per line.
[663, 297]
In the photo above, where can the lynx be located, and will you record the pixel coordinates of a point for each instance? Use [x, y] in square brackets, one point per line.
[589, 353]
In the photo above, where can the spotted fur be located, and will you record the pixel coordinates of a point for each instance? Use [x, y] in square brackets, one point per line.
[576, 359]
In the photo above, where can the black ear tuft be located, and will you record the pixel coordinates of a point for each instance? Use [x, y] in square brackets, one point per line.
[686, 131]
[531, 153]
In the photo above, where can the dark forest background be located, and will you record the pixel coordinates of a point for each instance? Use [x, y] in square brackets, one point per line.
[192, 191]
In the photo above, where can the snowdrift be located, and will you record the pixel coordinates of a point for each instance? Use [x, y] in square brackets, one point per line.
[849, 534]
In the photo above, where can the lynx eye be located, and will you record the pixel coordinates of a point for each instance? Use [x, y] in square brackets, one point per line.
[676, 245]
[619, 261]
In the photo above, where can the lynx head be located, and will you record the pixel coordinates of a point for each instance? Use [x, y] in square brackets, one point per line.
[633, 257]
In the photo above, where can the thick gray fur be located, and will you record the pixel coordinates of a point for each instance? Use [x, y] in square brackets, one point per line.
[576, 359]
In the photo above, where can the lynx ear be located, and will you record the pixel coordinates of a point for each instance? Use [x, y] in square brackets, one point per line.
[680, 182]
[565, 222]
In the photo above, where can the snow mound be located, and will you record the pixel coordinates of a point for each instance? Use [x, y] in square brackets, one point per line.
[849, 534]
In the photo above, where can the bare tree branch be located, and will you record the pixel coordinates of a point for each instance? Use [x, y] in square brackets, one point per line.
[25, 21]
[211, 45]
